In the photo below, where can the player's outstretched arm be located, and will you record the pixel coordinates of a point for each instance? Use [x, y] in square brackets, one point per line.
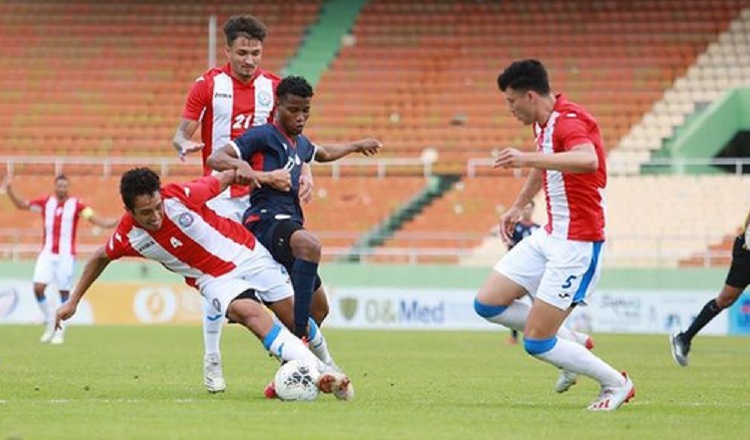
[183, 138]
[17, 200]
[102, 222]
[330, 153]
[94, 267]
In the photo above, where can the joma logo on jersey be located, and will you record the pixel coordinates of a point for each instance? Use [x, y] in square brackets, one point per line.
[145, 246]
[222, 95]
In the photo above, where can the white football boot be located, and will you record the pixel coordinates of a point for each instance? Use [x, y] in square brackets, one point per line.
[213, 376]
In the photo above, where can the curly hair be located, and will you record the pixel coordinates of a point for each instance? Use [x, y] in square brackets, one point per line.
[138, 182]
[523, 76]
[244, 26]
[294, 85]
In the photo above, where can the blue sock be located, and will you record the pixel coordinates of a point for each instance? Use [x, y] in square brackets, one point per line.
[303, 282]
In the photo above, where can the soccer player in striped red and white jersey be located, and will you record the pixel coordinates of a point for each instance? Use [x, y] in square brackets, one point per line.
[224, 102]
[56, 262]
[171, 224]
[558, 265]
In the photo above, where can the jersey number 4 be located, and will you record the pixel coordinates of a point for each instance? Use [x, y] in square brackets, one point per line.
[175, 242]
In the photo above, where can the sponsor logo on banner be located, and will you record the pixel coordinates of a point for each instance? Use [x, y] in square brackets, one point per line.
[8, 301]
[348, 308]
[18, 304]
[133, 303]
[403, 309]
[155, 305]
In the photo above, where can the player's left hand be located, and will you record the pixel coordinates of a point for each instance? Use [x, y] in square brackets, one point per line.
[369, 146]
[306, 186]
[509, 158]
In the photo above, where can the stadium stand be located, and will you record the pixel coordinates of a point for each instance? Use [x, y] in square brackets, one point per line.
[106, 80]
[724, 65]
[423, 79]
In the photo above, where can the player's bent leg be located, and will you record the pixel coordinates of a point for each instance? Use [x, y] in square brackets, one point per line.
[280, 342]
[542, 342]
[497, 302]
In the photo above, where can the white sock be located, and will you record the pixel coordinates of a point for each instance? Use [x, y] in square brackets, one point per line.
[513, 316]
[281, 343]
[46, 309]
[574, 357]
[572, 335]
[213, 323]
[317, 343]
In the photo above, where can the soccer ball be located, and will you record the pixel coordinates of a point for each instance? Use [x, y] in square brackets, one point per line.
[297, 380]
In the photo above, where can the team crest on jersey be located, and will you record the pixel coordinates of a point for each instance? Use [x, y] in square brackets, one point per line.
[185, 219]
[264, 98]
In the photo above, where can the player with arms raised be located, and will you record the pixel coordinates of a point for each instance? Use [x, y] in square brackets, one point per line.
[56, 262]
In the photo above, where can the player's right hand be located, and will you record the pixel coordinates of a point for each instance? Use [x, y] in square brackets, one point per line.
[189, 147]
[66, 310]
[507, 222]
[280, 179]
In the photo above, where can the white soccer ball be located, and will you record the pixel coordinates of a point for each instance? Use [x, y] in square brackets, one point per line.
[297, 380]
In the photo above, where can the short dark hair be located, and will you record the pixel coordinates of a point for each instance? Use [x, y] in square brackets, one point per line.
[244, 26]
[61, 177]
[525, 75]
[294, 85]
[138, 182]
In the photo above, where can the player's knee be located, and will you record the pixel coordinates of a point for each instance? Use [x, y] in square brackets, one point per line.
[536, 347]
[727, 297]
[307, 247]
[487, 311]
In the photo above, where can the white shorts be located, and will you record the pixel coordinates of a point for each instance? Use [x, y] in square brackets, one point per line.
[229, 207]
[557, 271]
[263, 274]
[55, 268]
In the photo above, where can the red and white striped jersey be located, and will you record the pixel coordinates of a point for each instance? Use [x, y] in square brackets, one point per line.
[575, 201]
[193, 240]
[226, 108]
[60, 222]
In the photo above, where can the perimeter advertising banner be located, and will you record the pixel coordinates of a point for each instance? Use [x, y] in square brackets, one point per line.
[108, 303]
[610, 311]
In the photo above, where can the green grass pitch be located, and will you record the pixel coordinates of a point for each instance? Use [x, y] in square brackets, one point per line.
[146, 383]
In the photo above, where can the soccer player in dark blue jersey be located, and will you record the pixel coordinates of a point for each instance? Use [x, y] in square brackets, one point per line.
[276, 152]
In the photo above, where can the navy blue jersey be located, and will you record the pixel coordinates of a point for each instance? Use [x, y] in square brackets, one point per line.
[522, 230]
[266, 148]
